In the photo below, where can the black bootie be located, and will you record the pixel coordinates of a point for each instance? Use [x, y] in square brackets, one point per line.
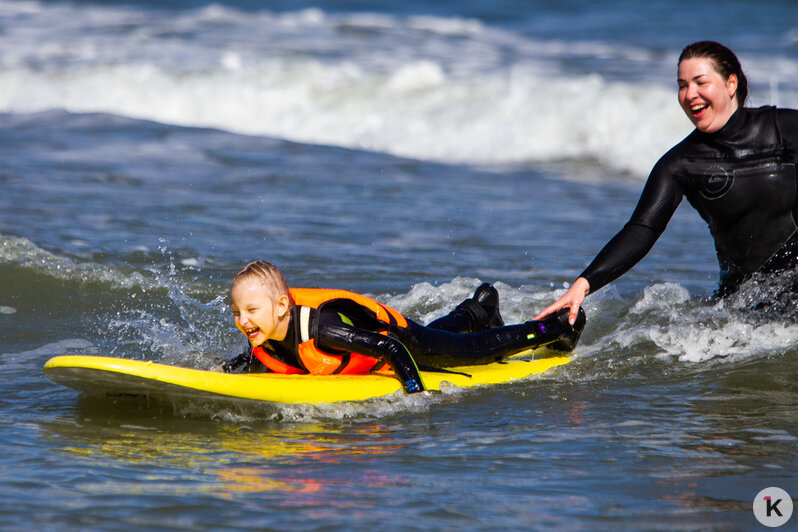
[556, 333]
[488, 298]
[477, 313]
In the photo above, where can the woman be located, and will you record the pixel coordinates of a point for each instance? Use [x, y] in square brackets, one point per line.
[737, 169]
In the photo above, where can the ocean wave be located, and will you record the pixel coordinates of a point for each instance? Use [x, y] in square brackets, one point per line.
[664, 320]
[23, 253]
[668, 323]
[415, 111]
[441, 89]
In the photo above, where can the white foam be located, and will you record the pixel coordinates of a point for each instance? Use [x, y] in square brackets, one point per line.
[697, 332]
[413, 111]
[426, 302]
[443, 89]
[734, 340]
[664, 296]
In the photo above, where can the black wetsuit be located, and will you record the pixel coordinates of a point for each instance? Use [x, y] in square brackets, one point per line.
[742, 181]
[343, 326]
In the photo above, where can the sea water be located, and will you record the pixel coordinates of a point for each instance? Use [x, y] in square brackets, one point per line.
[409, 152]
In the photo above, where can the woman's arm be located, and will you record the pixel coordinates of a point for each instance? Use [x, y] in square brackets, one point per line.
[659, 200]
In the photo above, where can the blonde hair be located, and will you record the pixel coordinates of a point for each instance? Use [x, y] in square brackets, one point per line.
[268, 274]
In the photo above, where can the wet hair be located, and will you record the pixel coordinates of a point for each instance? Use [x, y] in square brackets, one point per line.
[726, 63]
[268, 274]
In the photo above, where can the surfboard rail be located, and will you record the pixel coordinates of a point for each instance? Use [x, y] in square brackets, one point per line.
[101, 375]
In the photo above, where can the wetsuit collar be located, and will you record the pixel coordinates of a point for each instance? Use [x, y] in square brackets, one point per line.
[731, 127]
[290, 342]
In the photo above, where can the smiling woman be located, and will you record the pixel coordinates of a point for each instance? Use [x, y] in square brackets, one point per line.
[710, 94]
[737, 169]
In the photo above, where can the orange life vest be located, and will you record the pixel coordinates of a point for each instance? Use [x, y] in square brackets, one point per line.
[315, 360]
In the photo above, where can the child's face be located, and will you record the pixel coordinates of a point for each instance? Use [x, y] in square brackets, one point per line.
[256, 313]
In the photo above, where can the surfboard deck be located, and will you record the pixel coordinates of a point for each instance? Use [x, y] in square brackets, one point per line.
[98, 375]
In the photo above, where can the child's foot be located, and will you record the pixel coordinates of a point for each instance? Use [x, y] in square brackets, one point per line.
[482, 309]
[477, 313]
[487, 296]
[559, 335]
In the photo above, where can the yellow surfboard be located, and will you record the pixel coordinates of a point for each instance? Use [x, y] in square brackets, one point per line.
[98, 375]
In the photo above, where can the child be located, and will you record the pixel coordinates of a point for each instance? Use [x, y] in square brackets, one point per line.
[325, 331]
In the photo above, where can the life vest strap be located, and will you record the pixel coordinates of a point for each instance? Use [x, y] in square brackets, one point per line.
[304, 323]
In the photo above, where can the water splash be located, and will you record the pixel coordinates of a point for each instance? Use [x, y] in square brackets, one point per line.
[666, 322]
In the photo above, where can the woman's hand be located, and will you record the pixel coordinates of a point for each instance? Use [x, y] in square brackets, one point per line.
[572, 299]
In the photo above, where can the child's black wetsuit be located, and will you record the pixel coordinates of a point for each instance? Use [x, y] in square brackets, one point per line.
[742, 181]
[344, 326]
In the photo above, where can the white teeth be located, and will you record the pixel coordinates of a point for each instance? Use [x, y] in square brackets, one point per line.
[697, 107]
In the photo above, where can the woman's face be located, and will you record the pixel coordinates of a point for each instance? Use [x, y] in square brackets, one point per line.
[706, 97]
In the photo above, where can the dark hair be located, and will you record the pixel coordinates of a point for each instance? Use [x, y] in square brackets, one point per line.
[726, 63]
